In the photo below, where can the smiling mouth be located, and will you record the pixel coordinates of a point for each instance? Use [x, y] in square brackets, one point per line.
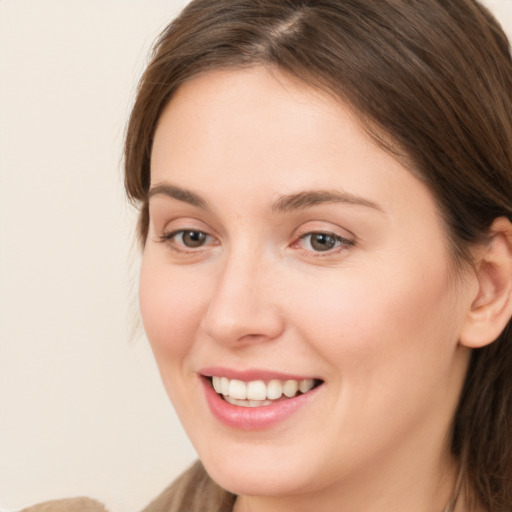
[258, 393]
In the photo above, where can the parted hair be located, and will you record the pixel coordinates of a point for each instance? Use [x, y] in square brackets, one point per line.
[432, 82]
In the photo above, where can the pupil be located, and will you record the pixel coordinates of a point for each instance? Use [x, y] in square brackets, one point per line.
[323, 242]
[193, 238]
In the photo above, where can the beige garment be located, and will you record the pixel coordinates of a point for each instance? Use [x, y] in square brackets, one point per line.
[193, 490]
[68, 505]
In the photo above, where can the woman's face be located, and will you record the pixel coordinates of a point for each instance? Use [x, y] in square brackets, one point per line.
[285, 245]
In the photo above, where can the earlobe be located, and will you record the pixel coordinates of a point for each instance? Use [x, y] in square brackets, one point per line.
[491, 308]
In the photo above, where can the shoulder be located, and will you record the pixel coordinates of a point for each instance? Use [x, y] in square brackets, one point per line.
[193, 491]
[68, 505]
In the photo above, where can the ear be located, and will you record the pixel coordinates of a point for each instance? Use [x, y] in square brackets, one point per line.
[491, 308]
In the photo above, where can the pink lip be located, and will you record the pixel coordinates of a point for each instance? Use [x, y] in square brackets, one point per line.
[254, 418]
[248, 375]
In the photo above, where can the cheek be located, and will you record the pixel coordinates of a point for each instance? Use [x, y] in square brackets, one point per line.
[170, 308]
[388, 341]
[393, 317]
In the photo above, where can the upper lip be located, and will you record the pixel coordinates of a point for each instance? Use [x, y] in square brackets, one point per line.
[251, 374]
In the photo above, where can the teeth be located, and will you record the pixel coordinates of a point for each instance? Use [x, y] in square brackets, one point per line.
[257, 390]
[216, 384]
[274, 389]
[290, 388]
[224, 386]
[256, 393]
[247, 403]
[237, 389]
[305, 385]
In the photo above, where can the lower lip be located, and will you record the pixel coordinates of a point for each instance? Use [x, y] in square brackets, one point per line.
[254, 418]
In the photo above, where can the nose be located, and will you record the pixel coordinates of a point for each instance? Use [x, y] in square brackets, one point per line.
[243, 307]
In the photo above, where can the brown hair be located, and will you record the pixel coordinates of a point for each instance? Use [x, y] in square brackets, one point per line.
[432, 79]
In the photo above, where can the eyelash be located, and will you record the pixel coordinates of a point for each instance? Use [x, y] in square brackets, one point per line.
[340, 243]
[170, 238]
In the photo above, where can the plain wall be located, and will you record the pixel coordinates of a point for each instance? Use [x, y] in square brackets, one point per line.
[82, 410]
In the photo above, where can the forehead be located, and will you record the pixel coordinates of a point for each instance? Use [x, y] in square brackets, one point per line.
[222, 111]
[264, 131]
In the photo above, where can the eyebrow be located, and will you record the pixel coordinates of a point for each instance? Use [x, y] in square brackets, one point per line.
[178, 193]
[299, 201]
[310, 198]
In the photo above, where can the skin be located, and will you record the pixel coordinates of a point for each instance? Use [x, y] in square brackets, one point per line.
[378, 317]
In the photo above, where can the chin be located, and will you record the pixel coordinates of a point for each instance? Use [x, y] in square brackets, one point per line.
[266, 475]
[248, 481]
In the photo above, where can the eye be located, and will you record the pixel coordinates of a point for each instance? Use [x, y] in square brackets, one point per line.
[187, 238]
[323, 242]
[192, 239]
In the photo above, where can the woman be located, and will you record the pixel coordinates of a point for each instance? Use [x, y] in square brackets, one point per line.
[325, 194]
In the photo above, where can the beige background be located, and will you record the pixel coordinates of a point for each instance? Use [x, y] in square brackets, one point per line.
[82, 411]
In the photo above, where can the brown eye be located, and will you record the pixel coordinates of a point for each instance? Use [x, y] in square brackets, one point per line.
[187, 241]
[323, 242]
[193, 239]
